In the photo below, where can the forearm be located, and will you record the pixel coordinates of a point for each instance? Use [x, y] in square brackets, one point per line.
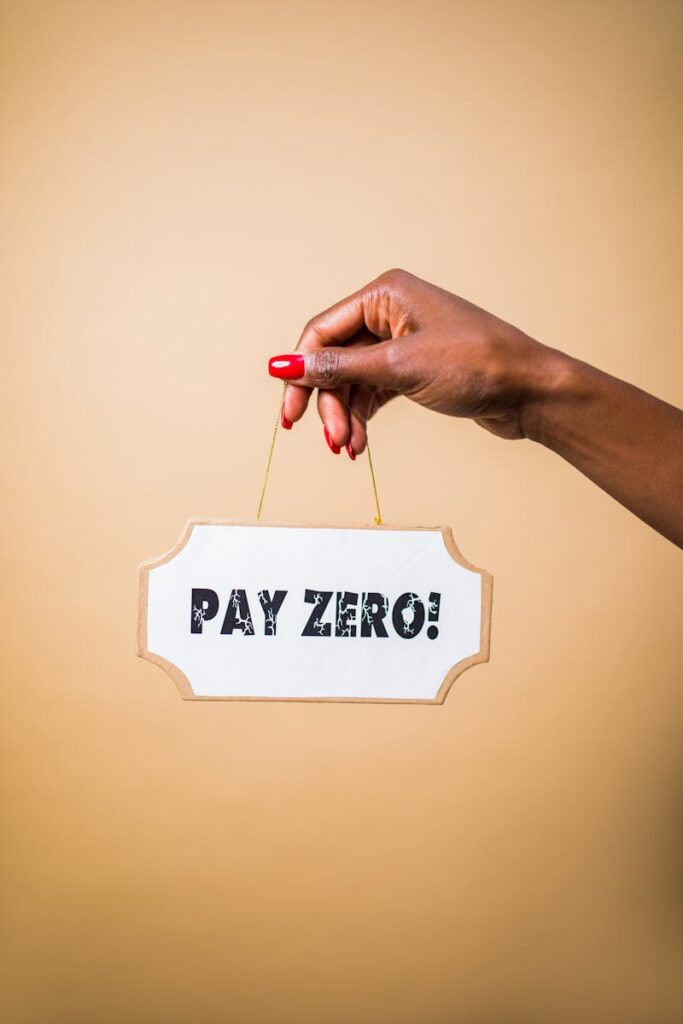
[624, 440]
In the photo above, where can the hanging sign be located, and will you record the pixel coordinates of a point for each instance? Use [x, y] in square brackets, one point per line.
[251, 612]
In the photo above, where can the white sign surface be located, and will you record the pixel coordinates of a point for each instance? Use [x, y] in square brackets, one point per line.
[245, 611]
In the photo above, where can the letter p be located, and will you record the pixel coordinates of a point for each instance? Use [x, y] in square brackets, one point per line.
[204, 606]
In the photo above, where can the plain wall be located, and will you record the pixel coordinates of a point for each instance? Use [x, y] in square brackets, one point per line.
[183, 186]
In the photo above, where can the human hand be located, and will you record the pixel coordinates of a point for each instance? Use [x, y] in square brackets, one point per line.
[400, 335]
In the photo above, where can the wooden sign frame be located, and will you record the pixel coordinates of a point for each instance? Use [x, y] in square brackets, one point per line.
[182, 682]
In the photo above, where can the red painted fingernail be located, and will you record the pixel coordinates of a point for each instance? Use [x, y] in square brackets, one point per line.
[287, 367]
[333, 447]
[350, 452]
[286, 424]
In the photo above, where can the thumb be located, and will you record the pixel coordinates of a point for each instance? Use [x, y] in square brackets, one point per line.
[333, 366]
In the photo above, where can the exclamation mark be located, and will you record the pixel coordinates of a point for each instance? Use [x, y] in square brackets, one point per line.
[434, 606]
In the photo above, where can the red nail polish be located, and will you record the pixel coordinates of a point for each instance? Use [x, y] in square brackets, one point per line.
[350, 452]
[333, 447]
[286, 424]
[287, 367]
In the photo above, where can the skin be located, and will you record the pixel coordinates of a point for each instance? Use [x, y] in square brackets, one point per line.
[400, 335]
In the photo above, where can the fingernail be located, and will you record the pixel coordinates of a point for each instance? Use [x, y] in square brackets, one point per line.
[287, 367]
[350, 452]
[333, 447]
[286, 424]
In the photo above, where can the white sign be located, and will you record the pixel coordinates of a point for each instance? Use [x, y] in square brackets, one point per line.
[243, 611]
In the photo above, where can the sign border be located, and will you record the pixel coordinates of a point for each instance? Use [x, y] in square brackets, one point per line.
[183, 683]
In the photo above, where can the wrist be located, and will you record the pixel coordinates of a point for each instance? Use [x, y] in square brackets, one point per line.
[558, 385]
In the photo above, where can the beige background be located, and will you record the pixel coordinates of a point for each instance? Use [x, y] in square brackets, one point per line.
[183, 185]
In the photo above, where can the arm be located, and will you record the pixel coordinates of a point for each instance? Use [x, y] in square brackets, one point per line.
[626, 441]
[401, 335]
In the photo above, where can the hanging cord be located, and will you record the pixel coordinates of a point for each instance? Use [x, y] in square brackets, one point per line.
[378, 517]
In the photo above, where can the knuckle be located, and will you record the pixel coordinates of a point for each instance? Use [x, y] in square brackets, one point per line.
[313, 330]
[394, 276]
[394, 359]
[405, 367]
[327, 366]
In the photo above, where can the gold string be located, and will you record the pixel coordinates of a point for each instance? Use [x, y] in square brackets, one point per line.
[270, 457]
[378, 517]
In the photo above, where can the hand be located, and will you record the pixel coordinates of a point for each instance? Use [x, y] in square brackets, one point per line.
[401, 335]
